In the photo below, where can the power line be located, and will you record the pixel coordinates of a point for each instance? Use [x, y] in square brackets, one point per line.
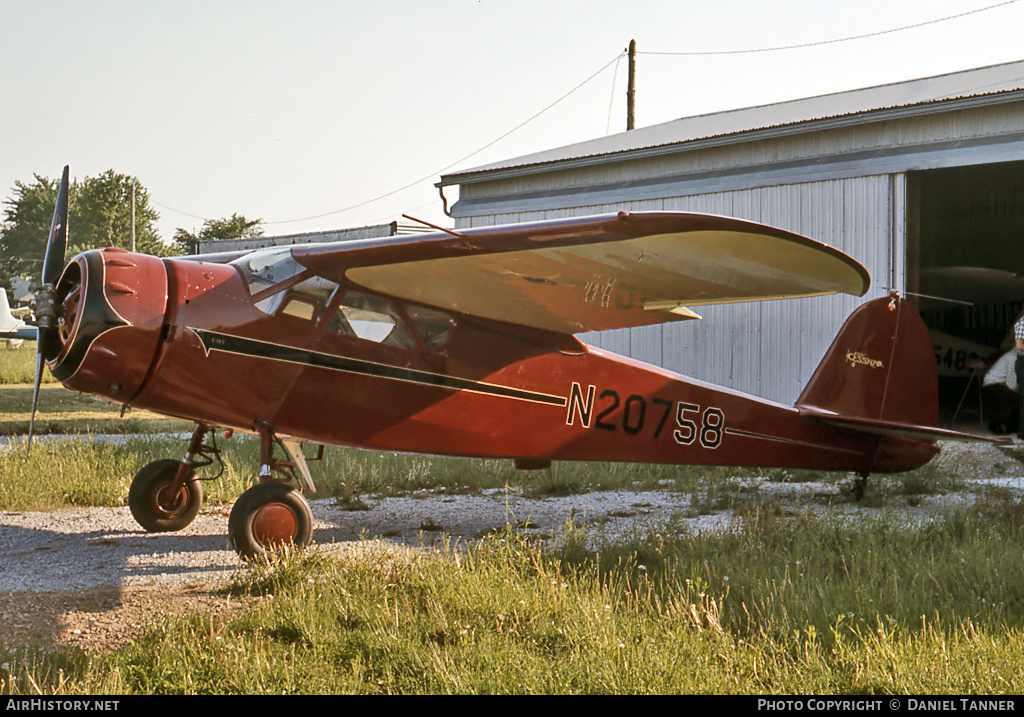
[460, 161]
[618, 59]
[432, 174]
[615, 61]
[611, 102]
[176, 211]
[819, 43]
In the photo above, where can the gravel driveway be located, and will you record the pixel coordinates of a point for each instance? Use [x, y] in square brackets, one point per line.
[87, 548]
[91, 576]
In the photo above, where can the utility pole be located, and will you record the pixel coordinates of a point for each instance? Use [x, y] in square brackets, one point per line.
[631, 87]
[133, 215]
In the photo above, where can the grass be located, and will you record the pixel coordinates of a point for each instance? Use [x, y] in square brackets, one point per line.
[61, 471]
[772, 607]
[782, 603]
[785, 602]
[60, 410]
[18, 365]
[63, 411]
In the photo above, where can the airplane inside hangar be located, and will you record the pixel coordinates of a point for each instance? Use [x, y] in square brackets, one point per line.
[966, 265]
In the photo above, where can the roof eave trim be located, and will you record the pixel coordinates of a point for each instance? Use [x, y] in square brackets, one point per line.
[756, 135]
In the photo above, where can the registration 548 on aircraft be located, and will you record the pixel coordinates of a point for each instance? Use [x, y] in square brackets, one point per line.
[464, 343]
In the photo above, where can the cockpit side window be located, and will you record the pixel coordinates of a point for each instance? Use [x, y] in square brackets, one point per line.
[281, 286]
[435, 327]
[301, 307]
[313, 292]
[371, 318]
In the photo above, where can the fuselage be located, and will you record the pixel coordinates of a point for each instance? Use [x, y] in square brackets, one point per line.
[261, 341]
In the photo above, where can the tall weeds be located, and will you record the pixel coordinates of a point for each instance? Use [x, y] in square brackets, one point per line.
[776, 605]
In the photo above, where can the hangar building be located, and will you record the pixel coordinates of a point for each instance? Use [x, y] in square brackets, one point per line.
[250, 243]
[920, 181]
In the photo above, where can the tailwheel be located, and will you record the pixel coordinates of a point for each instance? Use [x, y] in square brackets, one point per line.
[267, 517]
[154, 502]
[860, 485]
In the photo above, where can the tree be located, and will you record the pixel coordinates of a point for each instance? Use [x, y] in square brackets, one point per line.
[236, 226]
[105, 215]
[99, 215]
[26, 227]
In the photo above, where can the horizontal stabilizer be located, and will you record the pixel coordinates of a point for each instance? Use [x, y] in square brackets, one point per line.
[879, 427]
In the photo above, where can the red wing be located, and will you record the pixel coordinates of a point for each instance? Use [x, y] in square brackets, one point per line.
[593, 273]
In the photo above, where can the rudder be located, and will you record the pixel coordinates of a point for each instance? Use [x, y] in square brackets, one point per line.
[880, 366]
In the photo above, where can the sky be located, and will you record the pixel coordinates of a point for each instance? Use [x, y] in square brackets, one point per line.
[315, 115]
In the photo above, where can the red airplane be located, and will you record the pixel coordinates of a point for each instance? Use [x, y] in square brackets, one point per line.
[463, 343]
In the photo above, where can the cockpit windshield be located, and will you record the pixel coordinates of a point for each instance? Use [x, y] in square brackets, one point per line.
[263, 269]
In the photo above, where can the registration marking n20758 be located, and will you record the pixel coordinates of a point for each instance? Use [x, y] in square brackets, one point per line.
[609, 411]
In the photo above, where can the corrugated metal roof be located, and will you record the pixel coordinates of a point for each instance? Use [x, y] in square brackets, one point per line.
[249, 244]
[927, 94]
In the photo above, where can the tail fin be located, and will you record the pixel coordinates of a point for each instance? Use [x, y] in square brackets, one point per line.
[11, 327]
[879, 377]
[6, 317]
[880, 367]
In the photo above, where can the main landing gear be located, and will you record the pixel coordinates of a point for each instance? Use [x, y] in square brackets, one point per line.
[162, 501]
[166, 496]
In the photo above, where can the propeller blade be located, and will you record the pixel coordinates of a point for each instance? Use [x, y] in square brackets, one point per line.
[56, 245]
[47, 341]
[35, 400]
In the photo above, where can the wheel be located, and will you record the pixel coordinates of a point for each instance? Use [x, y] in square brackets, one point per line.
[151, 503]
[267, 517]
[859, 486]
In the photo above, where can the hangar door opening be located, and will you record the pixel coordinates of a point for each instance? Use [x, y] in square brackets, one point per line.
[968, 236]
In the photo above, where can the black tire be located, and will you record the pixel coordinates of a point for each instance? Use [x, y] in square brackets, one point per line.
[267, 517]
[148, 497]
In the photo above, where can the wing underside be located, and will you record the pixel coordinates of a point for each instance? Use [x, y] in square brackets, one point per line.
[595, 273]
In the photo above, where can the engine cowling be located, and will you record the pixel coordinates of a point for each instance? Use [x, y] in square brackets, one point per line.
[111, 309]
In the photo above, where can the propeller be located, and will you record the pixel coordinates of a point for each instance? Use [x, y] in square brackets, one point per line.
[47, 306]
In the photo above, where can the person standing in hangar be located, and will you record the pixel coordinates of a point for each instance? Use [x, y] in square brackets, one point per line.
[1018, 344]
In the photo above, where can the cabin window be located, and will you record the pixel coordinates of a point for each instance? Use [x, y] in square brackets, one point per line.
[306, 299]
[281, 286]
[434, 326]
[371, 318]
[301, 307]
